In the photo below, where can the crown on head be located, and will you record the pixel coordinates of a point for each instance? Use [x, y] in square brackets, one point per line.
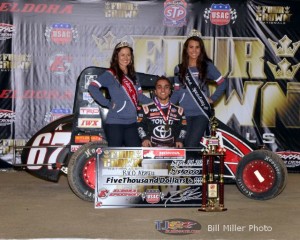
[122, 44]
[194, 33]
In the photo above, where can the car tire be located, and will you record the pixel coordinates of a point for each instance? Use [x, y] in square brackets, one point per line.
[261, 175]
[82, 170]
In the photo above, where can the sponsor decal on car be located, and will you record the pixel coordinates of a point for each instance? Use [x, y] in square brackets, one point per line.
[86, 96]
[74, 148]
[56, 113]
[89, 111]
[82, 139]
[87, 138]
[89, 123]
[88, 79]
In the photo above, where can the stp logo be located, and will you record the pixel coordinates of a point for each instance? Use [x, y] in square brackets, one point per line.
[175, 12]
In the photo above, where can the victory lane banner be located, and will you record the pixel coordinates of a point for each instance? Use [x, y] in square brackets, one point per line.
[148, 177]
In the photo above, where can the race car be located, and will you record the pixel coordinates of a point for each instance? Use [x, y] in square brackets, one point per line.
[69, 145]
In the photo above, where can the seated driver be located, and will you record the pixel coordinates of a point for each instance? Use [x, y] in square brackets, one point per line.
[161, 123]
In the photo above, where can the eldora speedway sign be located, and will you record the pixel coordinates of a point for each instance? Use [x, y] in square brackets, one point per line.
[148, 177]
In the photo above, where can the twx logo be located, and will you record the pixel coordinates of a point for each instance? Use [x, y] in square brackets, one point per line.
[89, 123]
[220, 14]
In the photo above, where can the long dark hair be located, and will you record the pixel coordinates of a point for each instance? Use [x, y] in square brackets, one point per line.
[201, 63]
[114, 64]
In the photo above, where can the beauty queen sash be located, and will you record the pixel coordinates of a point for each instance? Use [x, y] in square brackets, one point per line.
[198, 95]
[129, 89]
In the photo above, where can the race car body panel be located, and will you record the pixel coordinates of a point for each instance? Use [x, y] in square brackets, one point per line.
[69, 145]
[49, 149]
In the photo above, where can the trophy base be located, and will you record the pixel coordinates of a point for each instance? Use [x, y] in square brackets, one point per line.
[212, 209]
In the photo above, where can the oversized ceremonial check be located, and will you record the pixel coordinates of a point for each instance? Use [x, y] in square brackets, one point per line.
[148, 177]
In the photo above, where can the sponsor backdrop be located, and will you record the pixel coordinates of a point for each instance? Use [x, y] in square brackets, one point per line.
[44, 46]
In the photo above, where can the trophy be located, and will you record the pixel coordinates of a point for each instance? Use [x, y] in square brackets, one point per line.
[213, 183]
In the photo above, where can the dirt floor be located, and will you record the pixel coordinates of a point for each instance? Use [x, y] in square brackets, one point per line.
[34, 208]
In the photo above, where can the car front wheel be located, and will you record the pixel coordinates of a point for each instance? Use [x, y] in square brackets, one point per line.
[261, 175]
[82, 170]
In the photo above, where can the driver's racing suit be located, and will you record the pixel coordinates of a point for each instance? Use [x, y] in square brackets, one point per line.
[162, 131]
